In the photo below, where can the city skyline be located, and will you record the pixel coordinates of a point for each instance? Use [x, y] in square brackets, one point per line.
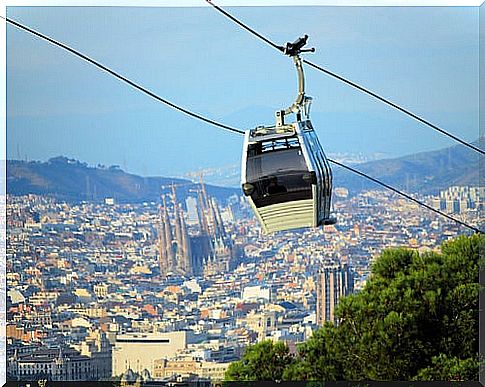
[89, 297]
[59, 105]
[131, 256]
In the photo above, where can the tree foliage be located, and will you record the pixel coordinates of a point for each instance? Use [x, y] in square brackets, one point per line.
[416, 318]
[263, 361]
[450, 368]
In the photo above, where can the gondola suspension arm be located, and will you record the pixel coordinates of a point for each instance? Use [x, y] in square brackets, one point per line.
[302, 102]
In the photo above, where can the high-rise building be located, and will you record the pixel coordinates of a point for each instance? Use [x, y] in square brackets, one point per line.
[459, 199]
[333, 282]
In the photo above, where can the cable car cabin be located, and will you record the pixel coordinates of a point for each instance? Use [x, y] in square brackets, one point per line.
[285, 174]
[286, 177]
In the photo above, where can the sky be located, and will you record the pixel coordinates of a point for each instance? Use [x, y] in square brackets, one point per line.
[423, 58]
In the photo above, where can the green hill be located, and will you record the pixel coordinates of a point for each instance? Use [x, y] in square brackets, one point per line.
[427, 172]
[71, 180]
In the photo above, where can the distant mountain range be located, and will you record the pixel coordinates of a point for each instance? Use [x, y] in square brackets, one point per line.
[427, 172]
[72, 180]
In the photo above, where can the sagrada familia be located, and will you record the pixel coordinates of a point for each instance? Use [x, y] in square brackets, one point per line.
[206, 251]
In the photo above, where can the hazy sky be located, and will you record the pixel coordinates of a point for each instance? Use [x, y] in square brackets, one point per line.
[425, 59]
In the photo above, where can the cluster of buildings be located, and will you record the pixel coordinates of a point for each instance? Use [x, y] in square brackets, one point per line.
[459, 200]
[159, 291]
[90, 359]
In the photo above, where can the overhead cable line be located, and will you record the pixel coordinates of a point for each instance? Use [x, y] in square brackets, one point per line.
[247, 28]
[122, 78]
[348, 82]
[409, 197]
[212, 122]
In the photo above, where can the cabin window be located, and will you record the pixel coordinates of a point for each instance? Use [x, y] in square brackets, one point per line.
[278, 176]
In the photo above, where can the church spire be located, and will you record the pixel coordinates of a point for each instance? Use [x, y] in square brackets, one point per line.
[162, 244]
[168, 237]
[185, 245]
[202, 216]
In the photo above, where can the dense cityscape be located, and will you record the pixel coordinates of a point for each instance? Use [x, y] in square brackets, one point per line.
[176, 290]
